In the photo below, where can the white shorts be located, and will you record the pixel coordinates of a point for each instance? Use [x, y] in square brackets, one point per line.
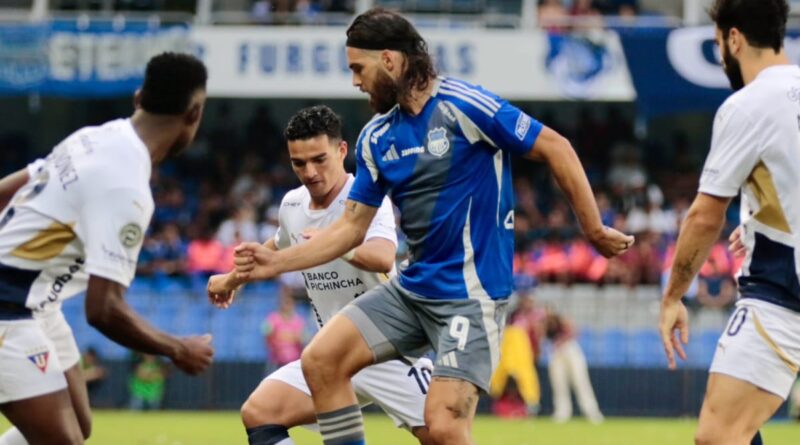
[397, 388]
[57, 329]
[29, 366]
[760, 345]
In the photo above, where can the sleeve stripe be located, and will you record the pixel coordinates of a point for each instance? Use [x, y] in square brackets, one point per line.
[477, 94]
[445, 91]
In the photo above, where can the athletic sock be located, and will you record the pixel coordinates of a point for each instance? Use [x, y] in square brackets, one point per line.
[268, 435]
[344, 426]
[13, 437]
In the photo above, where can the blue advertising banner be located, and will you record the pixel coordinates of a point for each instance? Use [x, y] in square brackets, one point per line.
[678, 70]
[82, 57]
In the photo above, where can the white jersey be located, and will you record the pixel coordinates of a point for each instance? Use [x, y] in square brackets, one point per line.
[333, 285]
[83, 212]
[756, 149]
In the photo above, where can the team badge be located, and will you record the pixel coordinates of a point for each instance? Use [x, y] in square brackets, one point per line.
[438, 144]
[40, 360]
[130, 235]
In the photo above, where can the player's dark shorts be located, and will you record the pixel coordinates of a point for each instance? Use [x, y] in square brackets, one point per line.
[465, 334]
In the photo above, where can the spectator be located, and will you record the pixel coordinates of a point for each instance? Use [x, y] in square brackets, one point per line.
[519, 351]
[204, 253]
[92, 369]
[283, 333]
[147, 384]
[241, 226]
[568, 369]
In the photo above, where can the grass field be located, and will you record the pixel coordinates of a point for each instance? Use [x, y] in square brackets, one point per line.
[223, 428]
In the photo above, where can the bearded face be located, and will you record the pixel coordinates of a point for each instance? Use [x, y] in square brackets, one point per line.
[383, 93]
[732, 68]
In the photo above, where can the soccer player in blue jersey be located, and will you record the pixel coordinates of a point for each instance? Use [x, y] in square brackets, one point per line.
[441, 149]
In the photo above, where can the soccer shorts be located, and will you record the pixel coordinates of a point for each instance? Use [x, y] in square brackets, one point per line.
[57, 329]
[465, 334]
[397, 388]
[760, 345]
[29, 366]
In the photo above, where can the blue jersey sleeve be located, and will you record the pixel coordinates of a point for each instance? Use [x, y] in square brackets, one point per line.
[500, 123]
[369, 188]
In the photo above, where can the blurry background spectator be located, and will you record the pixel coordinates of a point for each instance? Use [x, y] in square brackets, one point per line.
[147, 383]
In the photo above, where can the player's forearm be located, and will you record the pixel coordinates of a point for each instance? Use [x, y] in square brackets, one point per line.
[10, 184]
[120, 323]
[327, 245]
[376, 255]
[570, 176]
[698, 234]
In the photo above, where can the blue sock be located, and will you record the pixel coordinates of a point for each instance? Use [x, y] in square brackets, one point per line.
[344, 426]
[269, 435]
[757, 439]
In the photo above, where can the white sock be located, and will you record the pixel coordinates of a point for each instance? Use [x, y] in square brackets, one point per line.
[13, 437]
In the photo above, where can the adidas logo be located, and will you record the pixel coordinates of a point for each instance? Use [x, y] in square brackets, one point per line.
[391, 155]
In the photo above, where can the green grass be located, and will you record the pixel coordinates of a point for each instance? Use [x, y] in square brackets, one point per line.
[224, 428]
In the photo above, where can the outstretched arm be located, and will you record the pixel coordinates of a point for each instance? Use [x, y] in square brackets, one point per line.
[255, 262]
[558, 154]
[107, 311]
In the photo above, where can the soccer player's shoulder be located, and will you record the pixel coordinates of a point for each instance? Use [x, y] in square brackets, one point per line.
[467, 97]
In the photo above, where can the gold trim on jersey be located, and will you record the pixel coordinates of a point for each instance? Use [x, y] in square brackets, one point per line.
[771, 343]
[47, 244]
[770, 211]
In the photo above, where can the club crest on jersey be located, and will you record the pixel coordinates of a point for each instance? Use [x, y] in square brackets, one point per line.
[130, 235]
[40, 360]
[438, 144]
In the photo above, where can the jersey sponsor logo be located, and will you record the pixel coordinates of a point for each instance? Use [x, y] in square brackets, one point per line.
[329, 280]
[412, 151]
[40, 360]
[438, 144]
[523, 126]
[131, 235]
[291, 204]
[61, 281]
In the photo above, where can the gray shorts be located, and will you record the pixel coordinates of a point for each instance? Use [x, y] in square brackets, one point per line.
[464, 334]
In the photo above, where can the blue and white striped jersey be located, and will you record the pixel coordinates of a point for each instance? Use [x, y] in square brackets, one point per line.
[448, 170]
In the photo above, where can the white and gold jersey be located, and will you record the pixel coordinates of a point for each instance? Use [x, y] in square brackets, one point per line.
[333, 285]
[83, 212]
[756, 149]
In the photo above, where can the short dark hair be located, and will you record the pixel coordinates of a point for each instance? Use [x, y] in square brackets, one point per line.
[763, 22]
[378, 24]
[170, 81]
[312, 122]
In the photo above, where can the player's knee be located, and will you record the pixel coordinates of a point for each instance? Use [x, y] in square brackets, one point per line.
[447, 428]
[708, 436]
[319, 362]
[256, 412]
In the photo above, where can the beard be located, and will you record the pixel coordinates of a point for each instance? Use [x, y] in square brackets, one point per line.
[384, 96]
[732, 68]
